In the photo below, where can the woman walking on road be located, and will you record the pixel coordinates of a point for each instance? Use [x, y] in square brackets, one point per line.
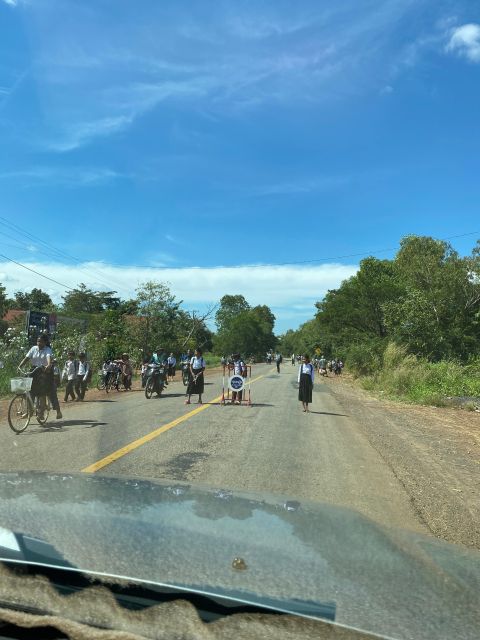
[197, 383]
[306, 377]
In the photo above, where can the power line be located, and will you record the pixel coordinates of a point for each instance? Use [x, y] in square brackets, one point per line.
[58, 253]
[285, 264]
[36, 272]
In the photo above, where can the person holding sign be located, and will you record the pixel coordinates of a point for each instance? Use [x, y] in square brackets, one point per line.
[238, 369]
[306, 377]
[197, 383]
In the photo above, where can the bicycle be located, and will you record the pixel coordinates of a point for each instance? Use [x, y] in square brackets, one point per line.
[104, 381]
[22, 407]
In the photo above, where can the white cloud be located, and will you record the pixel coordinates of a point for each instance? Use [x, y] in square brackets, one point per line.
[291, 291]
[60, 176]
[83, 132]
[11, 3]
[97, 78]
[465, 41]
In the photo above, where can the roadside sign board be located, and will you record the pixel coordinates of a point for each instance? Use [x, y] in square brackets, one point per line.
[236, 383]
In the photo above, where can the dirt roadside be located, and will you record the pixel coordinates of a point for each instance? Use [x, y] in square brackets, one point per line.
[434, 452]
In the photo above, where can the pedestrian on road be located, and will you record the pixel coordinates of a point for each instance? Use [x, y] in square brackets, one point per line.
[70, 373]
[127, 372]
[172, 364]
[306, 376]
[197, 382]
[81, 381]
[145, 371]
[278, 361]
[238, 369]
[293, 359]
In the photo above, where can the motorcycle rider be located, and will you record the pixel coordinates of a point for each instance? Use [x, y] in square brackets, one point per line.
[160, 357]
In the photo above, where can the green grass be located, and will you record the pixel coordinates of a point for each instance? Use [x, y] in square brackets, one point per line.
[211, 360]
[402, 376]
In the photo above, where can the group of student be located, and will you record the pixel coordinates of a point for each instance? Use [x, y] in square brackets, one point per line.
[47, 377]
[118, 372]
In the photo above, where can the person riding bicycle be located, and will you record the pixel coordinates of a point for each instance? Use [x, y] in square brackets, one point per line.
[41, 357]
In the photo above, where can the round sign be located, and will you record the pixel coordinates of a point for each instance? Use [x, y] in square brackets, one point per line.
[236, 383]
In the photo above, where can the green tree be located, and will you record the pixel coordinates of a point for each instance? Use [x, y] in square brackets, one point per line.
[84, 300]
[158, 315]
[243, 328]
[230, 307]
[36, 300]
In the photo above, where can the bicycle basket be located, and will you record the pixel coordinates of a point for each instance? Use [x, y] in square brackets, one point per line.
[20, 385]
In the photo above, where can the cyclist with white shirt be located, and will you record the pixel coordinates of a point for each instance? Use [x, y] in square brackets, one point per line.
[41, 358]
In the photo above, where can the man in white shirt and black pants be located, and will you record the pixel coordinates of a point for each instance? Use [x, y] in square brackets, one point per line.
[81, 381]
[70, 373]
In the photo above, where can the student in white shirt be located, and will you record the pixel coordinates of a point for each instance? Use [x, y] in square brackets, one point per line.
[172, 363]
[238, 369]
[69, 374]
[82, 378]
[197, 383]
[43, 381]
[306, 376]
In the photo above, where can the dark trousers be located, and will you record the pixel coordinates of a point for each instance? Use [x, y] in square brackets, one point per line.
[278, 367]
[80, 387]
[69, 390]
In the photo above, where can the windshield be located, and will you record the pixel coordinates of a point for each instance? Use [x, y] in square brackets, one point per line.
[239, 255]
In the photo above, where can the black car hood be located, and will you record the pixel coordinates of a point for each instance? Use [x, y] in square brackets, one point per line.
[389, 582]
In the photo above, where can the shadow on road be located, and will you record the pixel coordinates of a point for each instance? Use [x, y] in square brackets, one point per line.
[327, 413]
[58, 426]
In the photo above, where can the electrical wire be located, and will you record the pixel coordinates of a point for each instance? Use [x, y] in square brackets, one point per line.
[285, 264]
[58, 253]
[36, 272]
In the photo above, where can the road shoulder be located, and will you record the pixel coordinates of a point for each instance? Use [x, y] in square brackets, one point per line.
[433, 452]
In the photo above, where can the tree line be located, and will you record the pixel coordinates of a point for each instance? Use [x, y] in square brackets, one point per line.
[153, 317]
[426, 299]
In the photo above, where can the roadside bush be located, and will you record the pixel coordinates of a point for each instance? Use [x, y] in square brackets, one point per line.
[404, 376]
[363, 359]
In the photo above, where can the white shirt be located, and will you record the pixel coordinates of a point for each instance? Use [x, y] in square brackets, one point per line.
[197, 363]
[238, 367]
[69, 370]
[172, 360]
[82, 368]
[39, 356]
[306, 368]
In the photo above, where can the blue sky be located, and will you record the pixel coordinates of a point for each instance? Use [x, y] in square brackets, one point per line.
[139, 135]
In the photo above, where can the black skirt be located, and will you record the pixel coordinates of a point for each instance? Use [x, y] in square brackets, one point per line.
[42, 383]
[305, 388]
[196, 386]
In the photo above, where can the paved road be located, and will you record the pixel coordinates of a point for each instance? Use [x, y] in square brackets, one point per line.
[272, 446]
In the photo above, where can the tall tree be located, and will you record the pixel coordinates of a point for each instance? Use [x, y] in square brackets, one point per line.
[36, 300]
[157, 316]
[230, 307]
[85, 300]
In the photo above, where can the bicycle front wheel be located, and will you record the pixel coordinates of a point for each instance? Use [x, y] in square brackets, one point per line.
[18, 414]
[101, 384]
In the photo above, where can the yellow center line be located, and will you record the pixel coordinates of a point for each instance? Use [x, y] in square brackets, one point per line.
[96, 466]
